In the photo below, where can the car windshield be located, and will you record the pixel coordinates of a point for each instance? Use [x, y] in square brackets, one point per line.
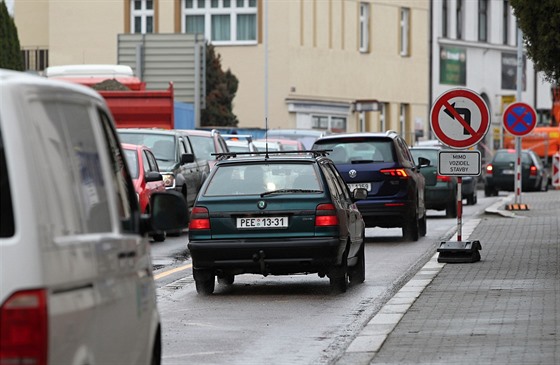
[430, 154]
[132, 161]
[251, 179]
[203, 147]
[162, 146]
[367, 150]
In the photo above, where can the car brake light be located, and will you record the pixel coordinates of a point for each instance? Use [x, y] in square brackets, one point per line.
[533, 171]
[325, 215]
[441, 178]
[200, 219]
[489, 169]
[23, 328]
[401, 173]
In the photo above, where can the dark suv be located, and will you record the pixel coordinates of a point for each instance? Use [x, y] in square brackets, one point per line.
[276, 214]
[382, 164]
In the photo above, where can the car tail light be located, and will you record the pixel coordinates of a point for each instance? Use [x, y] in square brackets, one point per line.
[325, 215]
[23, 328]
[442, 178]
[533, 170]
[200, 219]
[489, 169]
[400, 173]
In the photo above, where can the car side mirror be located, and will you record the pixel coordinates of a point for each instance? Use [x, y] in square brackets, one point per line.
[169, 213]
[153, 176]
[423, 162]
[359, 194]
[187, 158]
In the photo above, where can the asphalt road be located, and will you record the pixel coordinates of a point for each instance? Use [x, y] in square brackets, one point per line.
[285, 319]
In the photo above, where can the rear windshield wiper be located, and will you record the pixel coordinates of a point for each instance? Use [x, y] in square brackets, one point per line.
[288, 191]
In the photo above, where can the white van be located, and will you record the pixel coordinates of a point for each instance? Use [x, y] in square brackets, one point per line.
[76, 282]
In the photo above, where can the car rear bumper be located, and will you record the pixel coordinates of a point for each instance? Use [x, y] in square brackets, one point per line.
[293, 255]
[385, 213]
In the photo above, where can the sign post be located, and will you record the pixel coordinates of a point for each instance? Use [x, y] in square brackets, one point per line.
[519, 119]
[460, 119]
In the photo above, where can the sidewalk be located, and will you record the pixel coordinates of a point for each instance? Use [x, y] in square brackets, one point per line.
[504, 309]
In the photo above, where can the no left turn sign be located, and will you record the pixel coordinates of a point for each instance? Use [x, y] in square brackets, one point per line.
[460, 118]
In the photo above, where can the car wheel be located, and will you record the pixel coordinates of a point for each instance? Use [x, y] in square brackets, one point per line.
[411, 229]
[423, 226]
[358, 273]
[156, 352]
[488, 191]
[451, 209]
[338, 276]
[159, 237]
[204, 281]
[226, 279]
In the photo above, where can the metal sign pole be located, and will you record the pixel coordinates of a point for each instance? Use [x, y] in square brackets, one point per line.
[459, 209]
[518, 97]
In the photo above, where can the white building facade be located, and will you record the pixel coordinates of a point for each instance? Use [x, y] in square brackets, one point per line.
[474, 46]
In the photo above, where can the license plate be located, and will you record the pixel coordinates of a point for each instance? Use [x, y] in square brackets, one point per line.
[507, 172]
[366, 186]
[262, 222]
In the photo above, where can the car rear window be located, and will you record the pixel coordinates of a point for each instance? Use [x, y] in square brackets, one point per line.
[7, 225]
[248, 179]
[502, 156]
[430, 154]
[360, 150]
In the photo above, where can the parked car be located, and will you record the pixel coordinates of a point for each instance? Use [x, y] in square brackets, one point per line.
[76, 281]
[146, 177]
[180, 169]
[383, 165]
[207, 144]
[305, 136]
[441, 191]
[264, 145]
[500, 172]
[276, 215]
[241, 146]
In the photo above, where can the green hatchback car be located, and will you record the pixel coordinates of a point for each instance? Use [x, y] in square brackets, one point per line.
[276, 213]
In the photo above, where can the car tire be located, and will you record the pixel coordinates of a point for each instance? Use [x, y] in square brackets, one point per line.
[204, 281]
[358, 273]
[488, 191]
[338, 276]
[451, 209]
[423, 226]
[156, 351]
[226, 279]
[159, 237]
[411, 229]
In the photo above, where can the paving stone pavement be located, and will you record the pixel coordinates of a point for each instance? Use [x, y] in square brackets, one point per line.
[503, 309]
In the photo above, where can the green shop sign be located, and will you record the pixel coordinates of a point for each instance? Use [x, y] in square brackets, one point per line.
[453, 66]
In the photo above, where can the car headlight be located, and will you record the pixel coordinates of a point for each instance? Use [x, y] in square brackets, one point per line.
[168, 180]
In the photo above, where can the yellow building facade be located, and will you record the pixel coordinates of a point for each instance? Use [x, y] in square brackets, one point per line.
[343, 65]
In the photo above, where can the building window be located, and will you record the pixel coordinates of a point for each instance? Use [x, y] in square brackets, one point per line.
[331, 123]
[221, 21]
[142, 16]
[459, 12]
[383, 116]
[405, 31]
[35, 59]
[444, 18]
[506, 22]
[364, 27]
[403, 120]
[483, 20]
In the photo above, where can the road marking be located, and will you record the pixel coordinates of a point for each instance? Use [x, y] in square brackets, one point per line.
[172, 271]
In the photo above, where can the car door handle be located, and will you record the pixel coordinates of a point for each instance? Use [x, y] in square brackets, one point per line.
[126, 255]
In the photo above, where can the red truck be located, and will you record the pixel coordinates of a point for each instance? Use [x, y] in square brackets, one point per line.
[130, 103]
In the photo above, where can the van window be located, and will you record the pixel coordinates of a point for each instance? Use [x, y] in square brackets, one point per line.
[7, 226]
[75, 178]
[127, 202]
